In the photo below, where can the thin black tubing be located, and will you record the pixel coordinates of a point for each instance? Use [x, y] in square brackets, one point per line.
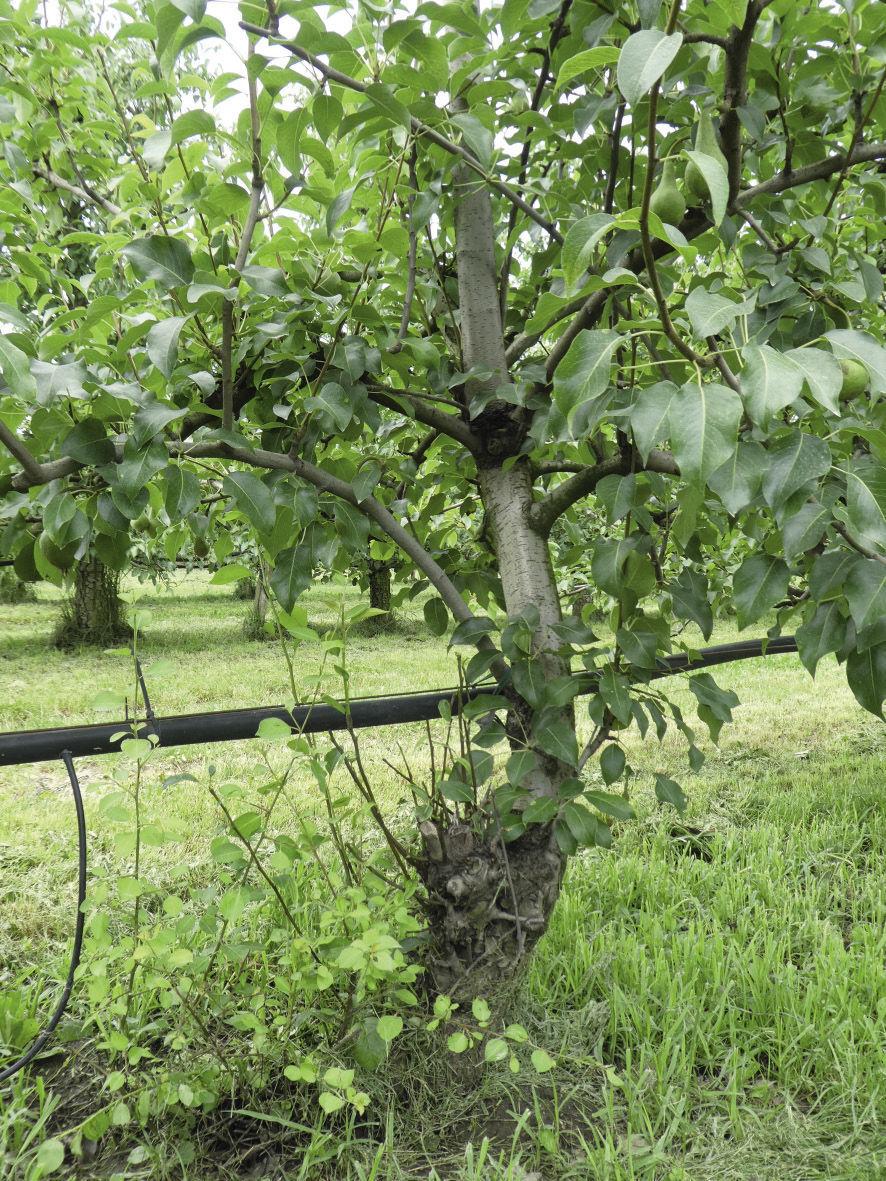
[33, 746]
[42, 1038]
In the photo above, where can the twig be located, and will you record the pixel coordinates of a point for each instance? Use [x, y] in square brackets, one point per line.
[411, 262]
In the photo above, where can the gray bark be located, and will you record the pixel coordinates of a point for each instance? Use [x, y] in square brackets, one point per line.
[489, 902]
[379, 575]
[94, 614]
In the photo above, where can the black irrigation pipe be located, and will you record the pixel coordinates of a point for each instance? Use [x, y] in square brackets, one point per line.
[33, 746]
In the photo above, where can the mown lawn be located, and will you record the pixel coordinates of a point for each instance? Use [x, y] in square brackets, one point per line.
[713, 988]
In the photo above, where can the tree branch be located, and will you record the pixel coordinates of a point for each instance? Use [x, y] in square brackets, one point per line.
[557, 29]
[411, 261]
[32, 468]
[545, 512]
[820, 170]
[88, 197]
[735, 93]
[438, 420]
[252, 218]
[419, 128]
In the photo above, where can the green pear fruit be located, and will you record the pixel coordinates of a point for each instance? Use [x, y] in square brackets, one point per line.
[706, 142]
[667, 202]
[201, 547]
[855, 379]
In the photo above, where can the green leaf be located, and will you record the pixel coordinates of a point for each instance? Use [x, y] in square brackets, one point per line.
[581, 238]
[181, 492]
[253, 499]
[338, 207]
[265, 280]
[581, 823]
[457, 1043]
[583, 374]
[334, 403]
[804, 529]
[643, 60]
[769, 381]
[228, 574]
[759, 583]
[822, 375]
[610, 804]
[495, 1050]
[50, 1156]
[608, 562]
[587, 59]
[859, 346]
[192, 123]
[16, 370]
[650, 416]
[162, 343]
[88, 443]
[823, 633]
[154, 149]
[330, 1103]
[738, 481]
[436, 616]
[865, 590]
[476, 135]
[165, 260]
[138, 467]
[794, 461]
[614, 688]
[668, 791]
[612, 763]
[382, 98]
[710, 312]
[556, 737]
[866, 674]
[704, 423]
[866, 500]
[470, 631]
[293, 574]
[365, 480]
[150, 420]
[58, 381]
[689, 595]
[716, 179]
[529, 680]
[542, 1061]
[388, 1028]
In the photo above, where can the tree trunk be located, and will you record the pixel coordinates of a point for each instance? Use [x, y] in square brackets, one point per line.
[489, 901]
[254, 624]
[379, 585]
[94, 614]
[13, 590]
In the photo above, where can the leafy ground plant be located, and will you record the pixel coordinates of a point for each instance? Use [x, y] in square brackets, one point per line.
[406, 291]
[706, 1004]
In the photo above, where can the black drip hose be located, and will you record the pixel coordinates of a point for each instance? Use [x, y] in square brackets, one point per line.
[42, 1038]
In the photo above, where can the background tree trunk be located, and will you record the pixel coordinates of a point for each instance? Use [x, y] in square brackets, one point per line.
[379, 585]
[94, 614]
[13, 590]
[254, 624]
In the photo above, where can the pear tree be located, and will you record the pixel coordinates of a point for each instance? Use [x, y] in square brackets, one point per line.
[445, 281]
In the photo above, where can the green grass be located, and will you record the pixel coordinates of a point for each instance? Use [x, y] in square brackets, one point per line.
[713, 989]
